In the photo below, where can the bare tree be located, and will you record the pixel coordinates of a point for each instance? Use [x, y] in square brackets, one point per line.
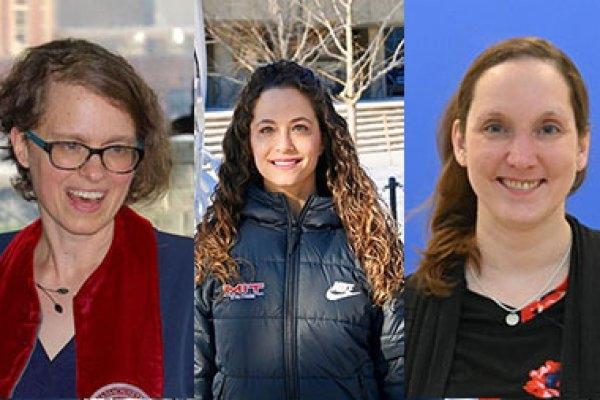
[362, 64]
[315, 33]
[281, 32]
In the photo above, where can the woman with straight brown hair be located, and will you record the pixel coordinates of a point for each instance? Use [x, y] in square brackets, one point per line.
[504, 301]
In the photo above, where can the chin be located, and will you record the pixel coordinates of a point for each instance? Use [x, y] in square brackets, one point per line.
[280, 184]
[77, 223]
[526, 217]
[81, 228]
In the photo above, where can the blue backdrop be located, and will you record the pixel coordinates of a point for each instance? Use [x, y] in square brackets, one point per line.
[442, 39]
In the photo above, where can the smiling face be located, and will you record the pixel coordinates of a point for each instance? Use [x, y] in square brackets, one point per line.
[82, 201]
[286, 142]
[520, 147]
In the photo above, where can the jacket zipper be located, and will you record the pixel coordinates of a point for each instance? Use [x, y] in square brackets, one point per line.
[291, 300]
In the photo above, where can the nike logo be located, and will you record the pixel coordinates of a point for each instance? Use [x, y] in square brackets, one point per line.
[340, 290]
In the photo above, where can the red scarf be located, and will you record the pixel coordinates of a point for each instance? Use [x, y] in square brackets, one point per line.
[116, 311]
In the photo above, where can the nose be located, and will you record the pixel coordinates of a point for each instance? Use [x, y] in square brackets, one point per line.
[284, 140]
[522, 151]
[93, 168]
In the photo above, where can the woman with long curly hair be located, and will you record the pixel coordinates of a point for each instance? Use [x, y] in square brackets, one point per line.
[299, 267]
[505, 301]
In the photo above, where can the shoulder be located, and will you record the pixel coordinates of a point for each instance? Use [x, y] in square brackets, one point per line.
[418, 302]
[174, 245]
[412, 292]
[176, 283]
[583, 233]
[412, 295]
[175, 253]
[5, 239]
[423, 309]
[176, 275]
[453, 277]
[586, 252]
[165, 239]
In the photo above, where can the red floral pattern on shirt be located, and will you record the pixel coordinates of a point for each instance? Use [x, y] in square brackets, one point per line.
[536, 307]
[544, 382]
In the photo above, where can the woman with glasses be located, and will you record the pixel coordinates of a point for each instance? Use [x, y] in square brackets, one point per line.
[299, 266]
[94, 301]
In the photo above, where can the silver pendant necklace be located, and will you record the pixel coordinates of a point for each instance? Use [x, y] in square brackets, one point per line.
[512, 317]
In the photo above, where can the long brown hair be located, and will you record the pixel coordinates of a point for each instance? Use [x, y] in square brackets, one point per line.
[372, 234]
[454, 203]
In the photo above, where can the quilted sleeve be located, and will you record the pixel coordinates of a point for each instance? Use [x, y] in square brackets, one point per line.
[390, 355]
[204, 347]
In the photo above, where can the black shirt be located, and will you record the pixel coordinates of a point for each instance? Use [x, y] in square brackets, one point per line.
[493, 359]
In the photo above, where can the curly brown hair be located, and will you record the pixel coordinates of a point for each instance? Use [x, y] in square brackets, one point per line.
[79, 62]
[454, 203]
[372, 233]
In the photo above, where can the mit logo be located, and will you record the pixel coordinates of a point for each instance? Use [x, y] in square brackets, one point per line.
[243, 290]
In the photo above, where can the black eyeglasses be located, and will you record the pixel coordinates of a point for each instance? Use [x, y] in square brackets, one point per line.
[69, 155]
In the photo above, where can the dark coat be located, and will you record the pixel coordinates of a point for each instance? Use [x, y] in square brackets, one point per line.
[299, 323]
[432, 325]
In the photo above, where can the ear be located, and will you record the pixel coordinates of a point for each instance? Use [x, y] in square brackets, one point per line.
[20, 148]
[458, 144]
[583, 150]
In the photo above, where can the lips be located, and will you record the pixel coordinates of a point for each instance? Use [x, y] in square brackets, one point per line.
[86, 201]
[286, 163]
[521, 184]
[87, 195]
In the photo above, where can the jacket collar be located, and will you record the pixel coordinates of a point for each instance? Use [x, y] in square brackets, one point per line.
[272, 209]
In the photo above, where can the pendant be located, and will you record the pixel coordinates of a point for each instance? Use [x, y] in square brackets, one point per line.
[511, 319]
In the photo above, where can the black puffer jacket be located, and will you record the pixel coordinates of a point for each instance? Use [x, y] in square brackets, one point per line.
[300, 323]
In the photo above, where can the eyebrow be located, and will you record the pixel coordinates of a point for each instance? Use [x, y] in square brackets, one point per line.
[265, 121]
[296, 119]
[492, 114]
[56, 136]
[486, 115]
[554, 114]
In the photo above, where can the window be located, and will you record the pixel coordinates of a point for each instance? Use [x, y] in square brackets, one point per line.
[394, 78]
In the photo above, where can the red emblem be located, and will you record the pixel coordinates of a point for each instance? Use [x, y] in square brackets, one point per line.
[119, 390]
[244, 290]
